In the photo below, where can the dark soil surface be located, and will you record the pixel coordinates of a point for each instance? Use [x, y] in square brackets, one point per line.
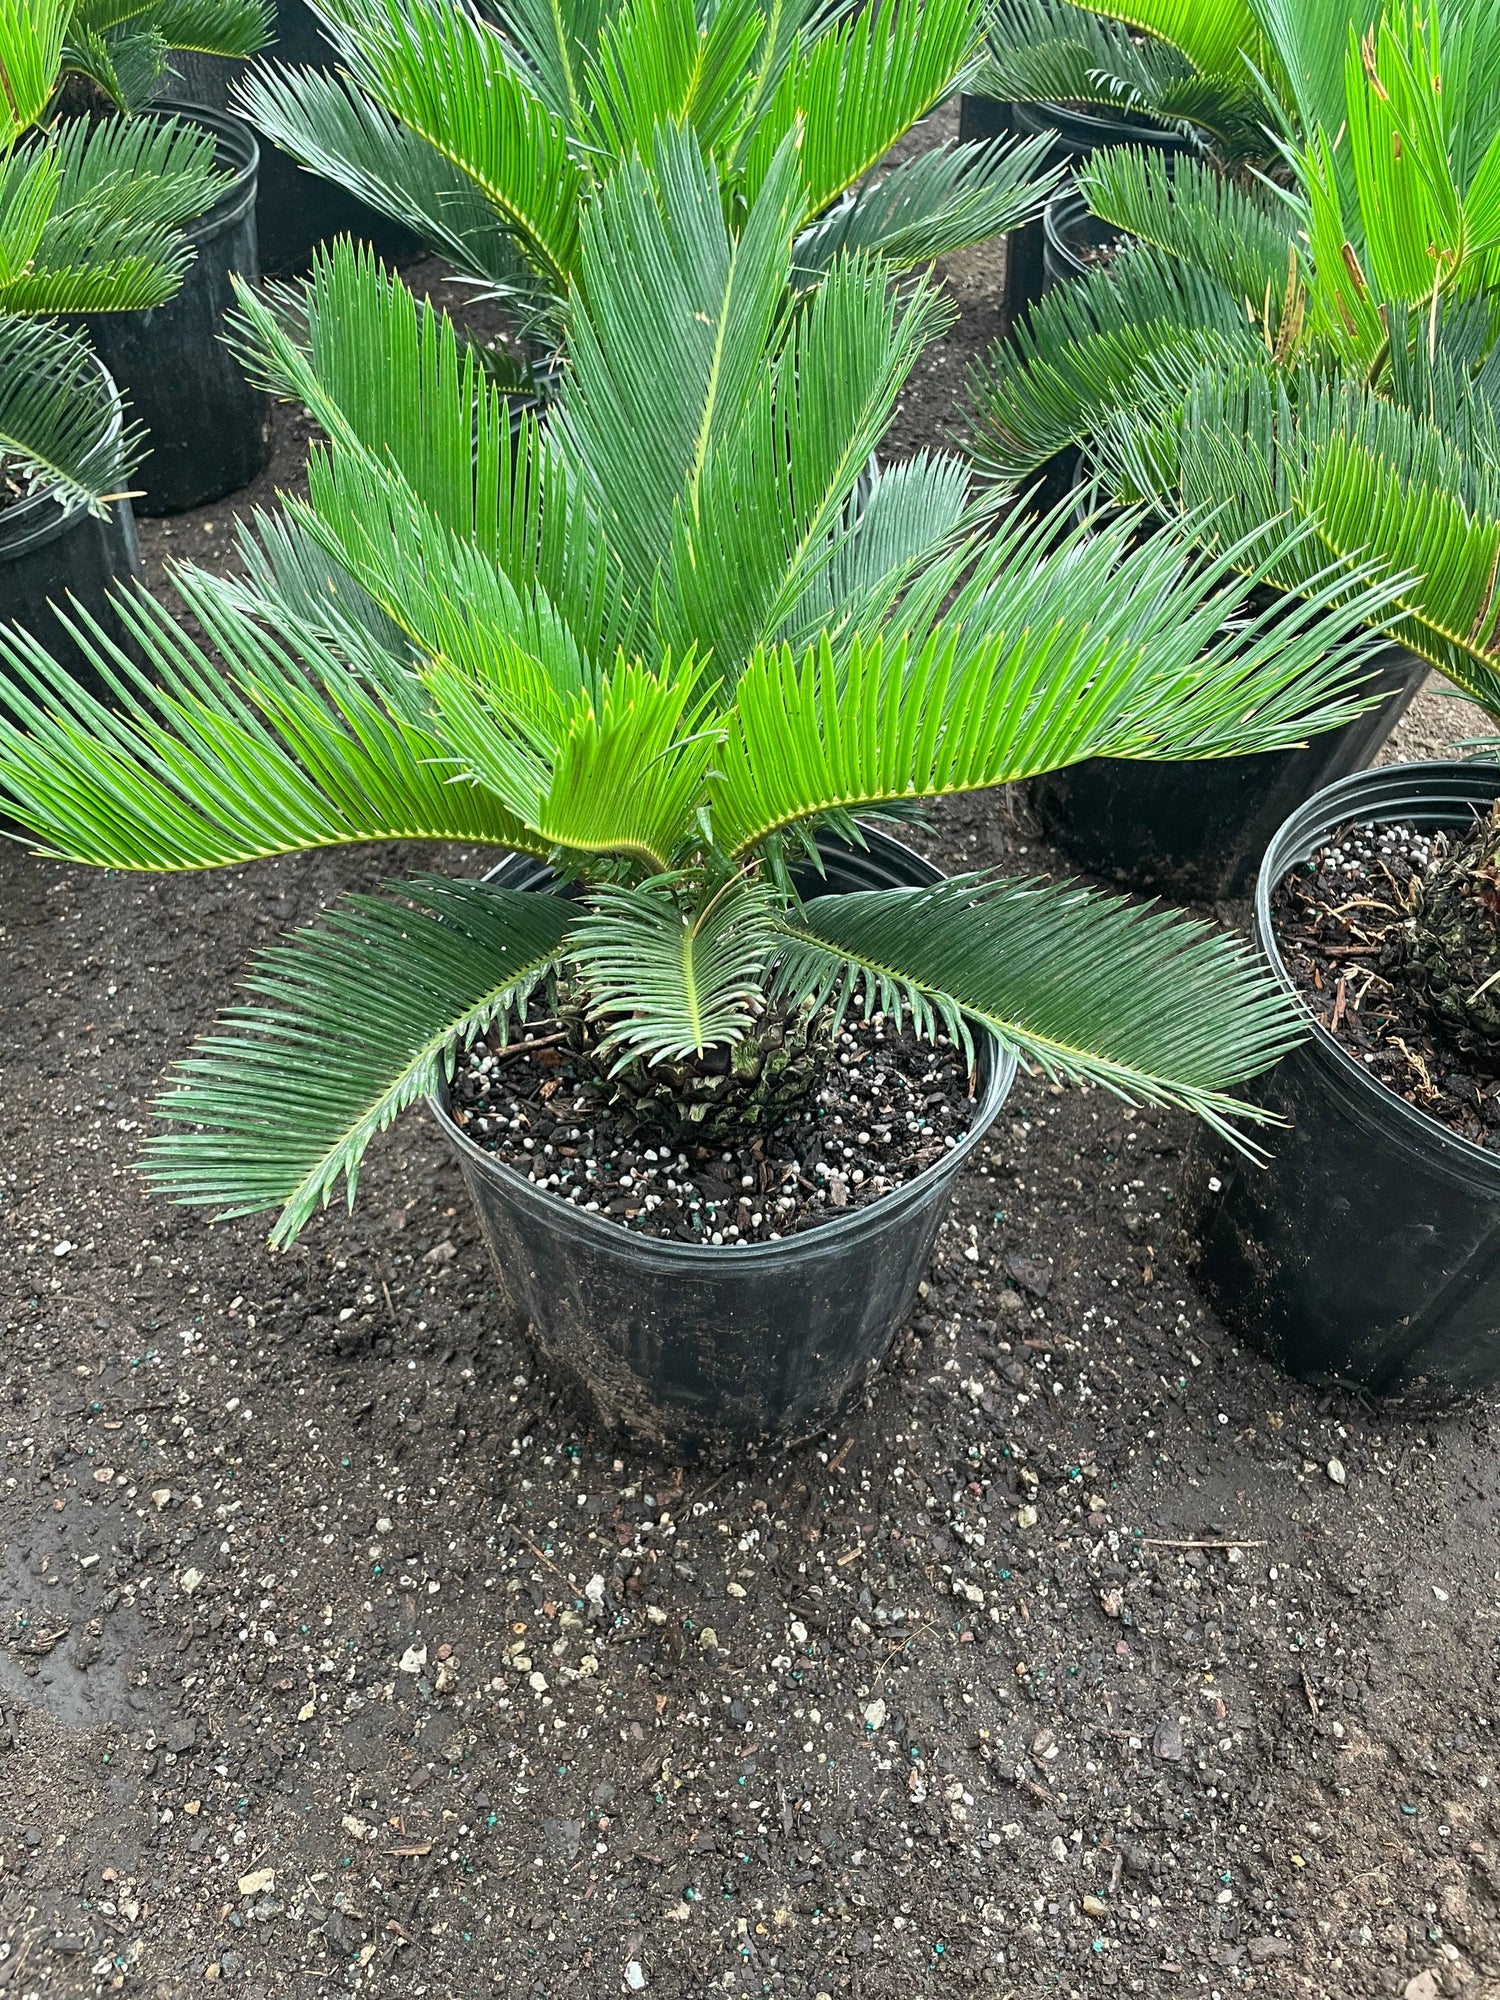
[1340, 921]
[886, 1108]
[1088, 1655]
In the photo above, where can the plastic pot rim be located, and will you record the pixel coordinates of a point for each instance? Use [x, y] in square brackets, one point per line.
[1382, 794]
[1119, 128]
[40, 518]
[239, 150]
[997, 1072]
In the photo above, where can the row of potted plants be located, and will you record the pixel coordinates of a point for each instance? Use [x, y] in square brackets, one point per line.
[671, 641]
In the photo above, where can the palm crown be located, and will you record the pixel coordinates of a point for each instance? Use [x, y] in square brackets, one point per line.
[1324, 352]
[655, 643]
[90, 216]
[490, 131]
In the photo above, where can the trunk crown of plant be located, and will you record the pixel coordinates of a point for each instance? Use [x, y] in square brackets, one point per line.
[660, 644]
[1453, 952]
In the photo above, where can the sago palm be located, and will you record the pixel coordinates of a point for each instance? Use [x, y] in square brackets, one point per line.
[90, 221]
[654, 643]
[1393, 202]
[489, 130]
[117, 54]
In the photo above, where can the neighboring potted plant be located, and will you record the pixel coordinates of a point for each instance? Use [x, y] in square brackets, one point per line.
[90, 222]
[1212, 295]
[490, 133]
[205, 425]
[654, 650]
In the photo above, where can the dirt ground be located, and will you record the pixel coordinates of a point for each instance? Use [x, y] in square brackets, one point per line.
[1088, 1655]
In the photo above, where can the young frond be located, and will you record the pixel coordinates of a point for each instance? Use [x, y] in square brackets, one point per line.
[669, 981]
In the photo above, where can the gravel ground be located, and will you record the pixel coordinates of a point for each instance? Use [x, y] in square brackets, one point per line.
[1087, 1656]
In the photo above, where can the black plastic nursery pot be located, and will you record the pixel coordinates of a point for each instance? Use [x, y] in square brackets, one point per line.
[698, 1350]
[1369, 1250]
[208, 426]
[1199, 829]
[1075, 134]
[1070, 231]
[49, 555]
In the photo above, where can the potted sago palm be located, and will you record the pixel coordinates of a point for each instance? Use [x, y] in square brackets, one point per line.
[91, 222]
[1232, 297]
[709, 1051]
[490, 131]
[204, 424]
[1368, 1252]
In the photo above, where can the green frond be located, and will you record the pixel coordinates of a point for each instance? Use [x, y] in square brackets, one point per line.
[1127, 338]
[1193, 212]
[1365, 506]
[751, 549]
[449, 78]
[31, 44]
[860, 85]
[355, 1018]
[940, 200]
[1154, 1006]
[126, 66]
[29, 182]
[557, 39]
[333, 129]
[661, 273]
[235, 28]
[630, 769]
[155, 172]
[656, 65]
[669, 981]
[59, 416]
[1095, 649]
[273, 747]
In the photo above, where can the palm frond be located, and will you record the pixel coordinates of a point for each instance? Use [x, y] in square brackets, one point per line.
[450, 79]
[1129, 337]
[751, 550]
[1193, 212]
[656, 66]
[59, 415]
[943, 199]
[155, 172]
[126, 66]
[355, 1018]
[31, 44]
[273, 747]
[333, 129]
[1154, 1006]
[558, 39]
[215, 27]
[857, 87]
[672, 982]
[661, 273]
[1096, 650]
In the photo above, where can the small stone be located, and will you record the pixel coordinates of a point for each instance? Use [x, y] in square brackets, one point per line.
[1093, 1906]
[708, 1636]
[307, 1711]
[1008, 1305]
[31, 1837]
[735, 1589]
[161, 1496]
[1423, 1987]
[440, 1253]
[413, 1660]
[875, 1715]
[1026, 1517]
[1032, 1274]
[798, 1631]
[656, 1615]
[537, 1683]
[1263, 1950]
[635, 1975]
[1167, 1742]
[256, 1883]
[190, 1580]
[1336, 1472]
[357, 1829]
